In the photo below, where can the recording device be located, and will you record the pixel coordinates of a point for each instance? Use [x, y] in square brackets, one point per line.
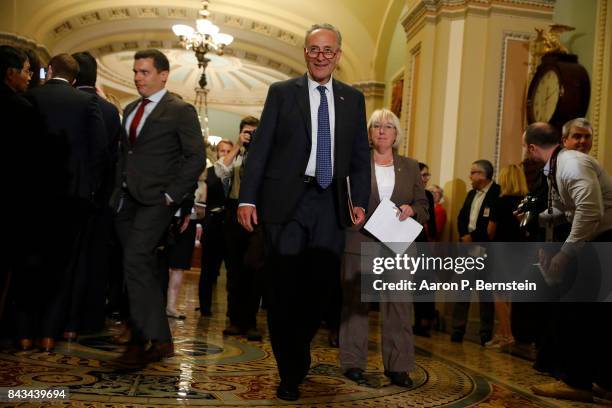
[530, 206]
[250, 133]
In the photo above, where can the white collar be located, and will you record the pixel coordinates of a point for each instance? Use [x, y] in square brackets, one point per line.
[156, 97]
[312, 84]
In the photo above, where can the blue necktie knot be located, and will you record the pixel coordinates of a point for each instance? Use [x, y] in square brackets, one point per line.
[324, 159]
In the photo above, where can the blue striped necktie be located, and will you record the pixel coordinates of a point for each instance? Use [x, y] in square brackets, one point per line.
[324, 162]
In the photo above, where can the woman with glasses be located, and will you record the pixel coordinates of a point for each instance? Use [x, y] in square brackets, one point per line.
[396, 178]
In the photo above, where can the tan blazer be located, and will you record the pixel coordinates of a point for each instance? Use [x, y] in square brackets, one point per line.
[408, 189]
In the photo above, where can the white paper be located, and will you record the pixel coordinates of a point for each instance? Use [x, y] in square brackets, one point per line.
[385, 225]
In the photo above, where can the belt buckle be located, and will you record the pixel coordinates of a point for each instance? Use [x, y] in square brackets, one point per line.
[310, 180]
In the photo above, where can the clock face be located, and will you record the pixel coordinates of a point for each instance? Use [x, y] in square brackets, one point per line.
[546, 96]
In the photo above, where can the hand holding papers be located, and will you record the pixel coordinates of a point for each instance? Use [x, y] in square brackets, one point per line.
[385, 225]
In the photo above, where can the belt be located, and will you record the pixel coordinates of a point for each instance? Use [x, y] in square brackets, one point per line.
[310, 180]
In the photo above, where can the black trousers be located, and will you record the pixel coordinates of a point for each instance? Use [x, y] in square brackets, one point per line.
[87, 301]
[304, 256]
[243, 278]
[41, 296]
[213, 253]
[583, 335]
[140, 229]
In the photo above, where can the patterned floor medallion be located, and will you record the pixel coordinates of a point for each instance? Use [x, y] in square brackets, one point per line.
[212, 371]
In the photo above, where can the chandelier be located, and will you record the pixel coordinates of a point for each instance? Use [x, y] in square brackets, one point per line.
[202, 40]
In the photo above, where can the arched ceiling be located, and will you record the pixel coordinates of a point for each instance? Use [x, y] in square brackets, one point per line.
[269, 35]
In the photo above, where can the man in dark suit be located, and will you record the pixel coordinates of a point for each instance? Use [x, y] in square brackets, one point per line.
[162, 155]
[311, 138]
[86, 308]
[21, 267]
[74, 123]
[472, 223]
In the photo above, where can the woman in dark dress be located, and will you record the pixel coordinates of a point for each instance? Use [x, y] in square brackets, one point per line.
[505, 227]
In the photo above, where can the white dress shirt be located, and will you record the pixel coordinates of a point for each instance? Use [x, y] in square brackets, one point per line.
[476, 204]
[155, 98]
[385, 179]
[585, 194]
[315, 100]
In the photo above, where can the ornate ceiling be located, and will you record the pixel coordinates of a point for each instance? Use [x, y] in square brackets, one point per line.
[268, 39]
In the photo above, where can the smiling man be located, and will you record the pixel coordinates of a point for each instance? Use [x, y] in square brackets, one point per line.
[312, 136]
[578, 135]
[162, 155]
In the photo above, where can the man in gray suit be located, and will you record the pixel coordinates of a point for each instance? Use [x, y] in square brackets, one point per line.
[162, 155]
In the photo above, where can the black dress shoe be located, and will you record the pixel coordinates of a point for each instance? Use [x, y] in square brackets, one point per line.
[355, 374]
[286, 393]
[232, 330]
[400, 378]
[253, 335]
[457, 337]
[421, 331]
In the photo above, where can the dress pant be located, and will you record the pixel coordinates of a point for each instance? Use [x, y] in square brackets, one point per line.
[460, 317]
[140, 229]
[88, 297]
[243, 280]
[62, 256]
[486, 308]
[304, 263]
[396, 317]
[584, 334]
[213, 254]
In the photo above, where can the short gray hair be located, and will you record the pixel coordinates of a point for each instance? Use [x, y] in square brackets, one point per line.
[324, 26]
[383, 114]
[578, 122]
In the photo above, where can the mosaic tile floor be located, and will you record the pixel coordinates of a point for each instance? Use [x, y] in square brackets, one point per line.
[211, 371]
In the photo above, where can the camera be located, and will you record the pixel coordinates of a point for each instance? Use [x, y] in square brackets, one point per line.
[250, 133]
[531, 206]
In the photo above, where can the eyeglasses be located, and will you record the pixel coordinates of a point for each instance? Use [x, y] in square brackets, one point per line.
[313, 52]
[426, 175]
[386, 126]
[476, 172]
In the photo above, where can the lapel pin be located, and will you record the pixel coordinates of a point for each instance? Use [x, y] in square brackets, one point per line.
[342, 98]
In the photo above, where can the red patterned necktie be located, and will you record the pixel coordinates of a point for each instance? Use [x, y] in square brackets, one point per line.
[136, 120]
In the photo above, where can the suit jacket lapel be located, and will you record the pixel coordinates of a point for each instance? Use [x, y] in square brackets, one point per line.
[374, 197]
[157, 112]
[399, 182]
[126, 114]
[340, 116]
[303, 101]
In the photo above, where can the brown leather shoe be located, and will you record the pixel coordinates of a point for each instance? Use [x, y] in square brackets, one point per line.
[559, 389]
[158, 351]
[124, 337]
[132, 357]
[47, 343]
[25, 344]
[70, 336]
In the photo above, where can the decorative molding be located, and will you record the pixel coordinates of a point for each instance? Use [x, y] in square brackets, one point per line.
[371, 89]
[597, 91]
[121, 13]
[261, 60]
[148, 12]
[407, 98]
[23, 42]
[118, 13]
[431, 10]
[508, 35]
